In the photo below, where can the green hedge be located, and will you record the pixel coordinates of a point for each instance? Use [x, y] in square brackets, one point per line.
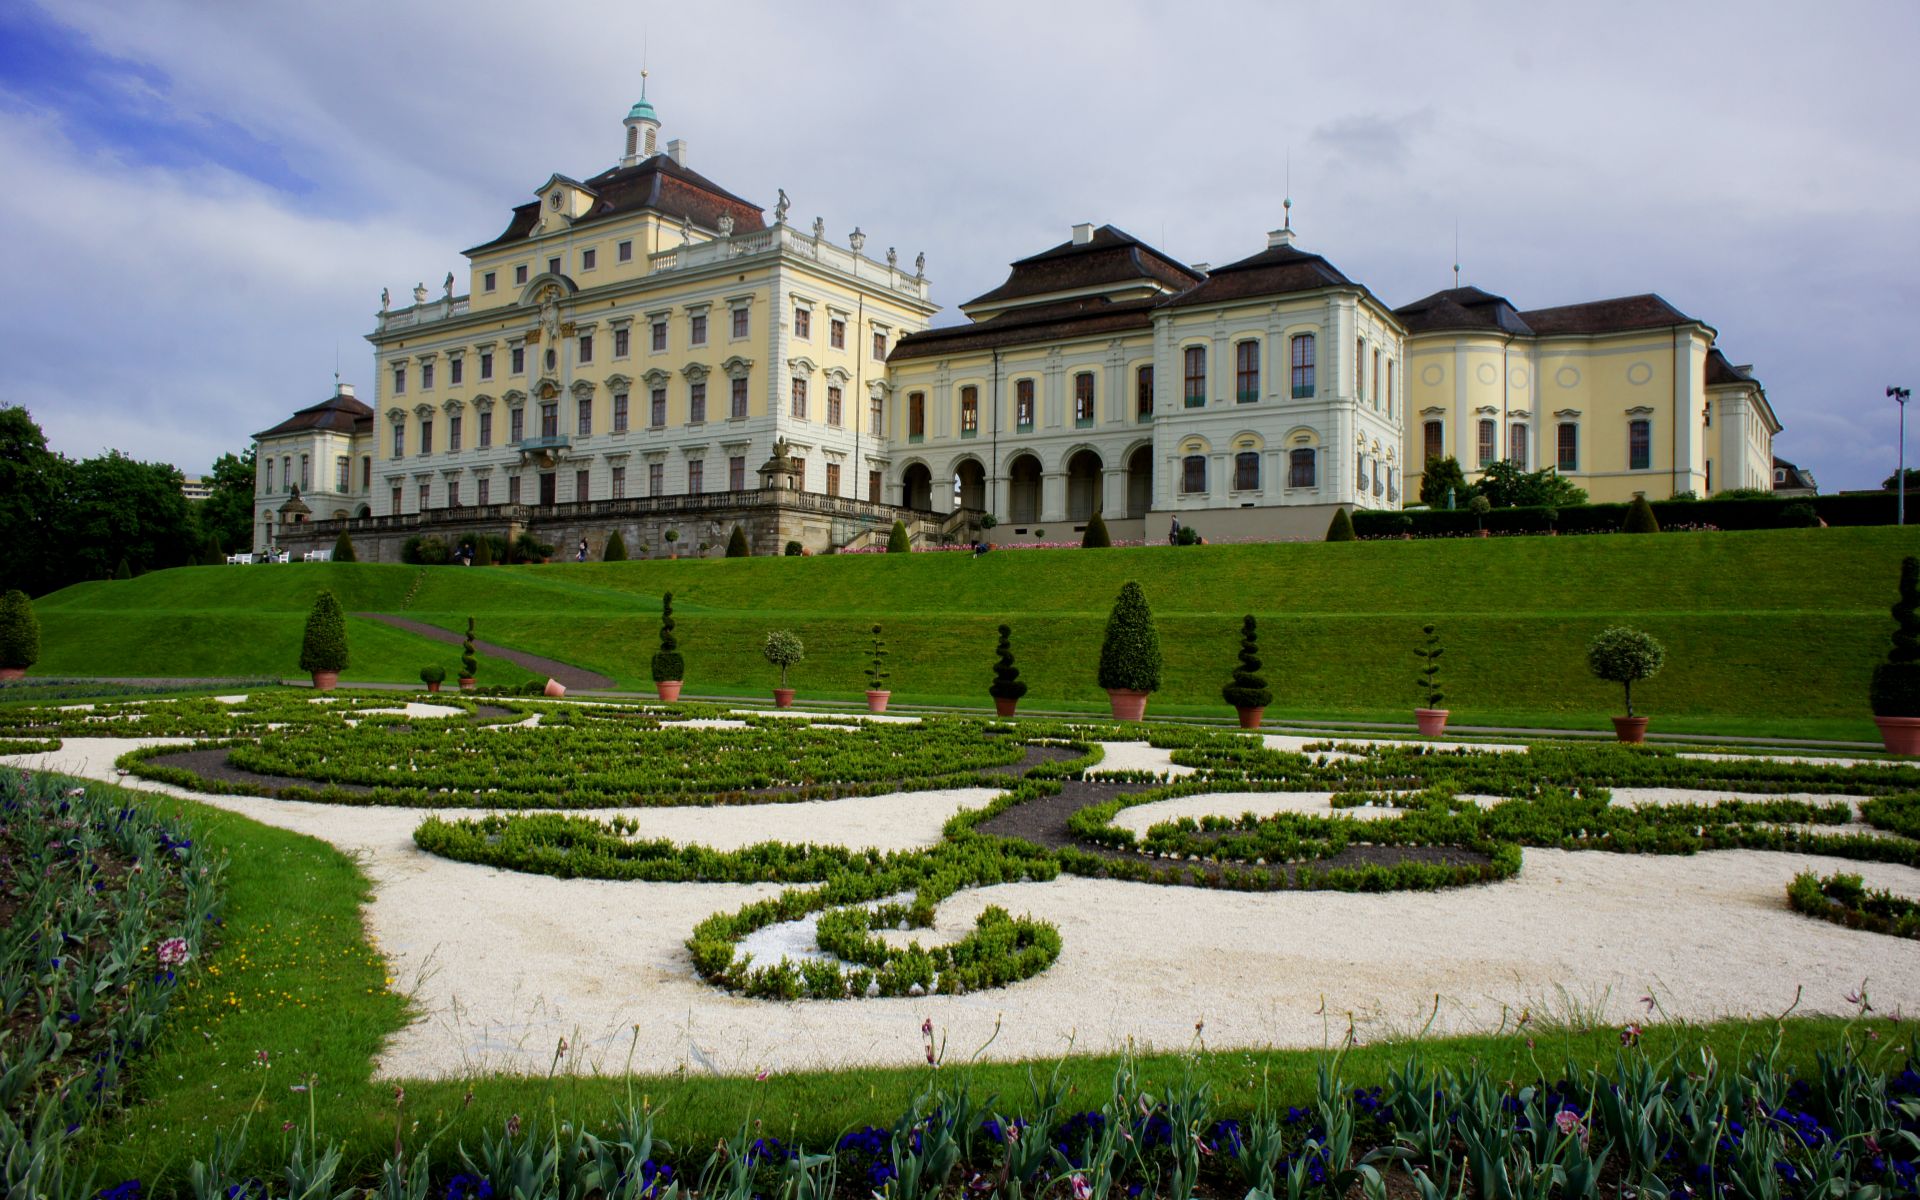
[1863, 509]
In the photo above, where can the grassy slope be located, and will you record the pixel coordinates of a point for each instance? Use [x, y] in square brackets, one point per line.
[1778, 624]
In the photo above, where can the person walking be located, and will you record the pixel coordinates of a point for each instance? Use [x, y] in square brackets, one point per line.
[1173, 535]
[581, 555]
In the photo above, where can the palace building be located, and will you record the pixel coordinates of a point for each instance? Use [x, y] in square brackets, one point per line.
[644, 350]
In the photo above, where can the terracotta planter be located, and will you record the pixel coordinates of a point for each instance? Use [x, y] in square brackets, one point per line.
[1250, 717]
[783, 697]
[1432, 721]
[433, 687]
[555, 688]
[877, 701]
[12, 674]
[326, 681]
[1128, 705]
[1630, 729]
[1481, 532]
[669, 689]
[467, 684]
[1004, 708]
[1901, 734]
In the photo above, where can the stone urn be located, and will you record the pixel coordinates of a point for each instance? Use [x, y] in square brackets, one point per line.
[1432, 722]
[669, 689]
[1250, 717]
[1901, 735]
[1004, 708]
[1632, 730]
[877, 700]
[326, 681]
[1128, 704]
[783, 697]
[555, 688]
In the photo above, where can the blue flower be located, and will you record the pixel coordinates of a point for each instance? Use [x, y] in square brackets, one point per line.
[128, 1189]
[469, 1187]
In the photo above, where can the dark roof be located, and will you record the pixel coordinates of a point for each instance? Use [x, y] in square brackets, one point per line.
[658, 184]
[1720, 371]
[1462, 308]
[1112, 256]
[1084, 317]
[335, 414]
[1619, 315]
[1275, 271]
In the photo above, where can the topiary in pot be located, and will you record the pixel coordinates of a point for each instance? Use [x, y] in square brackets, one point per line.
[1130, 654]
[433, 676]
[1480, 506]
[794, 549]
[1248, 693]
[343, 549]
[1429, 716]
[1006, 688]
[19, 635]
[1096, 535]
[1894, 693]
[616, 550]
[323, 651]
[897, 540]
[669, 668]
[673, 536]
[783, 649]
[1626, 656]
[1340, 529]
[737, 544]
[877, 693]
[1640, 518]
[469, 661]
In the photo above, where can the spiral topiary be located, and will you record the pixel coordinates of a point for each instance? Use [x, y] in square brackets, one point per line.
[668, 665]
[1248, 689]
[877, 674]
[1895, 690]
[1006, 684]
[469, 662]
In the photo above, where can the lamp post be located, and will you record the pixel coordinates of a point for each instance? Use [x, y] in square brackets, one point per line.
[1900, 395]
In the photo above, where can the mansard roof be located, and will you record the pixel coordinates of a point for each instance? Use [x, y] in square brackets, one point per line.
[1275, 271]
[1462, 309]
[338, 413]
[1622, 314]
[657, 184]
[1084, 317]
[1720, 371]
[1111, 257]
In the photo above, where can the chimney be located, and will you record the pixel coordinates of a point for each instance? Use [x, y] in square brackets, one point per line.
[1083, 233]
[1277, 238]
[344, 389]
[677, 151]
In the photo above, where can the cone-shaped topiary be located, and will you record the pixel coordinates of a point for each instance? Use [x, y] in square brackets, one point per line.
[616, 550]
[668, 665]
[737, 544]
[325, 646]
[1429, 652]
[1640, 518]
[210, 553]
[483, 551]
[1248, 689]
[877, 664]
[343, 549]
[897, 540]
[1096, 534]
[1625, 656]
[1895, 691]
[469, 662]
[1006, 677]
[1130, 654]
[123, 571]
[19, 631]
[1340, 529]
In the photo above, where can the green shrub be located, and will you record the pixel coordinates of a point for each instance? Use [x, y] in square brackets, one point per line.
[469, 661]
[1625, 656]
[668, 665]
[1429, 652]
[19, 631]
[1479, 506]
[897, 540]
[1096, 534]
[432, 674]
[343, 549]
[1006, 677]
[1130, 654]
[324, 647]
[1340, 529]
[424, 550]
[616, 550]
[528, 548]
[1441, 476]
[1640, 518]
[737, 544]
[1187, 536]
[877, 664]
[795, 550]
[783, 649]
[1248, 689]
[1800, 516]
[1895, 690]
[123, 571]
[483, 553]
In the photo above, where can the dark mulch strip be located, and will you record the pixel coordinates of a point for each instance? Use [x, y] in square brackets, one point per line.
[1035, 756]
[574, 679]
[490, 712]
[213, 765]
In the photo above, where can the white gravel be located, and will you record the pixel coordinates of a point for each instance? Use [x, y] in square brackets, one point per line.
[502, 965]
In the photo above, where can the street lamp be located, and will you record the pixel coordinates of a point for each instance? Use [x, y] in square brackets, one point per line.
[1900, 395]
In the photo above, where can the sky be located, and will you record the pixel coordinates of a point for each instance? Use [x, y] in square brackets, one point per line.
[206, 199]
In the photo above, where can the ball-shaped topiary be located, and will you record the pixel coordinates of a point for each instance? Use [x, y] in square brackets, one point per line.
[783, 649]
[324, 647]
[1096, 535]
[668, 665]
[433, 673]
[795, 550]
[737, 544]
[1130, 653]
[1625, 656]
[1895, 690]
[1248, 689]
[897, 540]
[469, 661]
[616, 550]
[1007, 684]
[343, 549]
[1640, 518]
[19, 631]
[1340, 529]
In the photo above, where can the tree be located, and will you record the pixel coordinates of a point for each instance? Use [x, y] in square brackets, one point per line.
[1130, 652]
[121, 508]
[1625, 656]
[737, 544]
[783, 649]
[1892, 482]
[897, 540]
[343, 549]
[616, 550]
[1440, 475]
[19, 631]
[1340, 529]
[668, 665]
[1505, 485]
[227, 512]
[1248, 689]
[1640, 519]
[1006, 677]
[1096, 535]
[324, 648]
[1895, 690]
[469, 660]
[1429, 652]
[34, 483]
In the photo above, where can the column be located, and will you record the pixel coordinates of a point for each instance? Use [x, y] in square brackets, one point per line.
[1053, 497]
[1113, 492]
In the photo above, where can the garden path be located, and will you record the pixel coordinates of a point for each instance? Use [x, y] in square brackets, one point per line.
[574, 679]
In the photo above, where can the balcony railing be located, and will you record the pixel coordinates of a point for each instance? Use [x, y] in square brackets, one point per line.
[541, 445]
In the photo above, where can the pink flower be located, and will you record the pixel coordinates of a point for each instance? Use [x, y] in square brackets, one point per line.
[513, 1125]
[173, 952]
[1082, 1190]
[1569, 1122]
[760, 1076]
[260, 1056]
[1630, 1036]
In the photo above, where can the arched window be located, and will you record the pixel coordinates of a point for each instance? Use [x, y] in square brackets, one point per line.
[1300, 473]
[1193, 473]
[1196, 381]
[1489, 442]
[1517, 445]
[1302, 366]
[1640, 445]
[1434, 443]
[1246, 471]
